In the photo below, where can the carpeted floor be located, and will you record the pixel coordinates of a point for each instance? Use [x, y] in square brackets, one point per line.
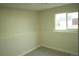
[42, 51]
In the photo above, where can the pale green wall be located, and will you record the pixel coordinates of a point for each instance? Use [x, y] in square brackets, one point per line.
[66, 41]
[18, 31]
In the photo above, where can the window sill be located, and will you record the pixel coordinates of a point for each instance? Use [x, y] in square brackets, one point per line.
[68, 31]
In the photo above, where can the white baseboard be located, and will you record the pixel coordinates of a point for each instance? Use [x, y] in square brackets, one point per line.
[59, 49]
[28, 51]
[49, 48]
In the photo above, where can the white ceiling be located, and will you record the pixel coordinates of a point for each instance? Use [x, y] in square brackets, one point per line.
[32, 6]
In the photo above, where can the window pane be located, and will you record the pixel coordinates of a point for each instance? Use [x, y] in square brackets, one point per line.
[73, 20]
[60, 21]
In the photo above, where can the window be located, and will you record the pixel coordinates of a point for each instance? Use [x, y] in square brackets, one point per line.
[72, 20]
[66, 21]
[60, 21]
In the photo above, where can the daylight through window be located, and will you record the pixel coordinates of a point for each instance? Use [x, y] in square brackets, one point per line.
[65, 21]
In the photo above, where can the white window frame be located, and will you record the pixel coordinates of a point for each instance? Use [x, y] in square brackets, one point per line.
[67, 30]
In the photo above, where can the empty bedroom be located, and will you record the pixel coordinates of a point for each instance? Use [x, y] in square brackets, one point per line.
[39, 29]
